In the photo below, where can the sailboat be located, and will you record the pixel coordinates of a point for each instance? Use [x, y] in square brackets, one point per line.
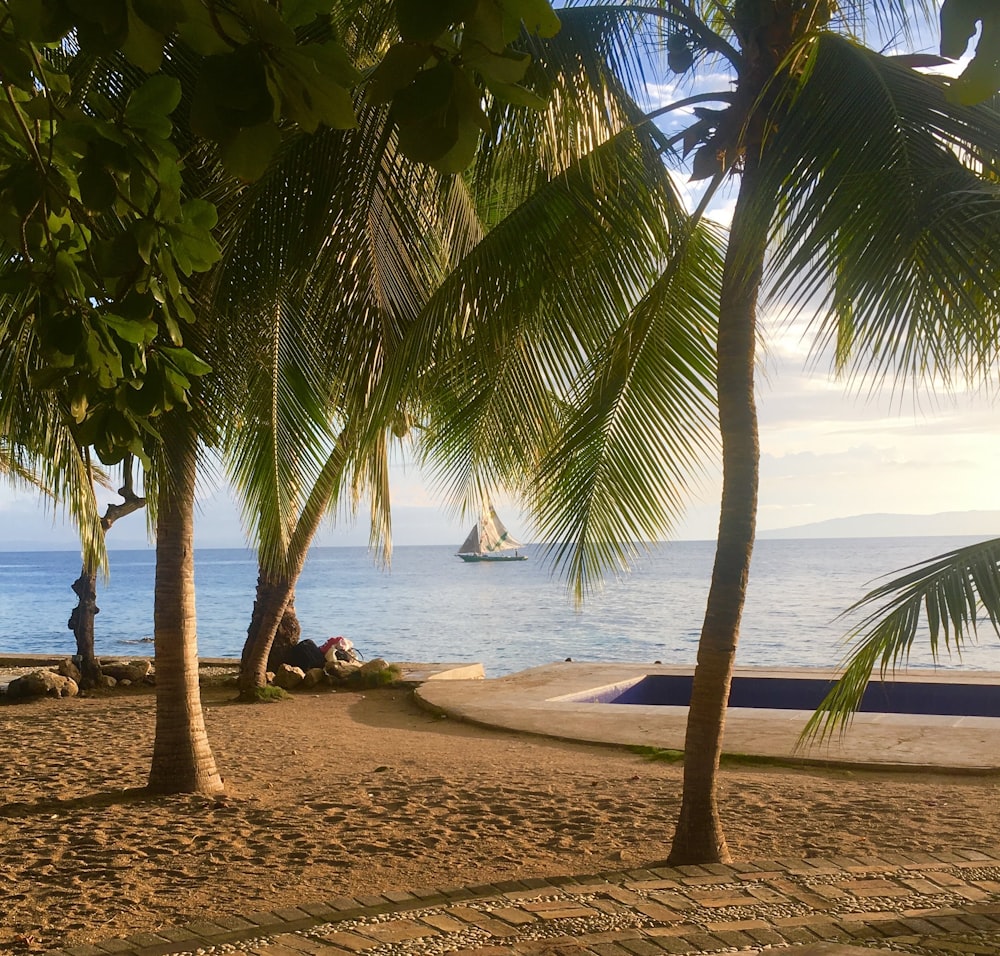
[489, 540]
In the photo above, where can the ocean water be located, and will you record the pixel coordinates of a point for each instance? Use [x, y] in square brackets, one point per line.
[430, 606]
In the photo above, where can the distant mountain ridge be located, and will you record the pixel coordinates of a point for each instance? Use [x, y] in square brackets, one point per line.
[984, 524]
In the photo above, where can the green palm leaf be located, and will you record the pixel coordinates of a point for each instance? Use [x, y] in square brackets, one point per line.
[882, 216]
[942, 597]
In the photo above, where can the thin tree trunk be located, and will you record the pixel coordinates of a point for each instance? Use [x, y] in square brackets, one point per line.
[81, 620]
[81, 623]
[280, 588]
[182, 759]
[699, 837]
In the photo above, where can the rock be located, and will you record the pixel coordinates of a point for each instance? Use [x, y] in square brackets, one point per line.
[287, 677]
[68, 669]
[313, 677]
[341, 670]
[107, 681]
[375, 665]
[133, 671]
[42, 684]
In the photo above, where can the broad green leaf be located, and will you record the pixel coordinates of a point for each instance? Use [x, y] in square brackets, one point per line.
[150, 106]
[399, 66]
[537, 16]
[266, 22]
[423, 21]
[247, 154]
[516, 95]
[138, 333]
[428, 94]
[67, 276]
[144, 45]
[161, 15]
[16, 67]
[198, 29]
[98, 188]
[187, 361]
[507, 67]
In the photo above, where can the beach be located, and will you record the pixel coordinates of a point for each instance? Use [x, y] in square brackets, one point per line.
[351, 793]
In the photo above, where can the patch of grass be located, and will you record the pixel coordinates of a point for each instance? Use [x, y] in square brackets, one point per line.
[381, 678]
[270, 695]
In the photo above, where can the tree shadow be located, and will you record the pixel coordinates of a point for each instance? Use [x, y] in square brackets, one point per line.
[92, 801]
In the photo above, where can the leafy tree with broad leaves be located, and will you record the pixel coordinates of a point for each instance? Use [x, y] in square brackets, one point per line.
[860, 202]
[108, 228]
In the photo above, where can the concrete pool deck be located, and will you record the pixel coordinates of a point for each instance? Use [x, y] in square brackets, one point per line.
[534, 701]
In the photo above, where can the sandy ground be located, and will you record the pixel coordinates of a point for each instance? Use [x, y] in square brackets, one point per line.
[349, 793]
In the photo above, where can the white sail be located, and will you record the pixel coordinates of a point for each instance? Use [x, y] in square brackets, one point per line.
[488, 538]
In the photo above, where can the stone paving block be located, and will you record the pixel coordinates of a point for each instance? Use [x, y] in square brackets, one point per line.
[178, 934]
[706, 879]
[398, 896]
[949, 924]
[351, 941]
[986, 908]
[496, 927]
[114, 946]
[675, 901]
[660, 913]
[529, 894]
[372, 900]
[399, 930]
[677, 929]
[864, 889]
[443, 922]
[344, 904]
[644, 886]
[206, 928]
[980, 922]
[301, 944]
[641, 947]
[734, 939]
[265, 918]
[765, 937]
[672, 944]
[609, 949]
[516, 915]
[143, 940]
[84, 949]
[733, 925]
[798, 934]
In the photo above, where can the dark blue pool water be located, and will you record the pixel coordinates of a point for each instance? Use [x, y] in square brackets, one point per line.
[784, 693]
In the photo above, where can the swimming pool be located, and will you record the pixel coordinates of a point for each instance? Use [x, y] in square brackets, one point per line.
[951, 698]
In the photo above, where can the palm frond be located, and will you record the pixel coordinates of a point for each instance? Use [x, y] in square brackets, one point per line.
[884, 228]
[942, 598]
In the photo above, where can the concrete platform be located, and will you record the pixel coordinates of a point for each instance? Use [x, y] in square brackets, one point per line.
[536, 701]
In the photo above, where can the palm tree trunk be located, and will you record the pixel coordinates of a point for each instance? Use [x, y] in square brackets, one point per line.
[279, 588]
[182, 759]
[699, 837]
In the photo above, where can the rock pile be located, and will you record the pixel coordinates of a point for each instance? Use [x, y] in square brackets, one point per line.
[334, 673]
[64, 680]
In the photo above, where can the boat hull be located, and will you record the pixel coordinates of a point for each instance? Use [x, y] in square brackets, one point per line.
[472, 558]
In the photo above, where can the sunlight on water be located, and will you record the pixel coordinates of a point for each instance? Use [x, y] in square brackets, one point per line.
[432, 607]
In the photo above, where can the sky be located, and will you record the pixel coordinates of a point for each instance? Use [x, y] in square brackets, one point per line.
[827, 450]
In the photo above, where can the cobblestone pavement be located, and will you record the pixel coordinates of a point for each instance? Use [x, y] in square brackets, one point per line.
[940, 903]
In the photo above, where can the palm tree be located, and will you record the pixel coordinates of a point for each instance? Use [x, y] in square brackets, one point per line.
[857, 202]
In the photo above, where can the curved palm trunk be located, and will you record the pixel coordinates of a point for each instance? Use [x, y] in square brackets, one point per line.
[182, 759]
[276, 591]
[699, 837]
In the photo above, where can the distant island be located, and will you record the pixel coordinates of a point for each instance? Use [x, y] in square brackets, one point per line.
[984, 524]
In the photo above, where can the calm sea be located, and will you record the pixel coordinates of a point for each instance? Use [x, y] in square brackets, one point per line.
[433, 607]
